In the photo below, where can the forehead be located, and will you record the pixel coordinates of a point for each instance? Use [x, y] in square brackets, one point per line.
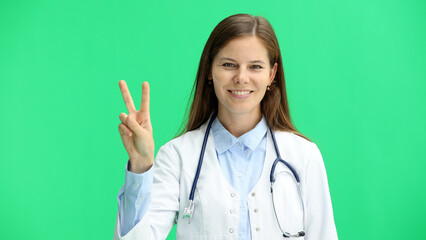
[246, 48]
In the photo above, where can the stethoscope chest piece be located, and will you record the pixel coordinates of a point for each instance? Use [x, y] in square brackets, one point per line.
[187, 213]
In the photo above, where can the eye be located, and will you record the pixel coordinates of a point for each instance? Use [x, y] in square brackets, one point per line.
[256, 66]
[228, 65]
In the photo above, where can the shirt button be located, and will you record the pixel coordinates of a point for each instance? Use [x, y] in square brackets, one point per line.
[253, 194]
[231, 230]
[135, 184]
[239, 174]
[232, 211]
[232, 194]
[256, 210]
[257, 229]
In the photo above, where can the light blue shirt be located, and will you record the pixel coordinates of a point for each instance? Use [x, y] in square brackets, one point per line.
[241, 160]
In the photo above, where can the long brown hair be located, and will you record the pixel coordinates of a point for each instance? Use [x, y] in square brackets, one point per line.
[274, 105]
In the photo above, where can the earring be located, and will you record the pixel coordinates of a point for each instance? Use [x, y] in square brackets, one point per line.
[268, 88]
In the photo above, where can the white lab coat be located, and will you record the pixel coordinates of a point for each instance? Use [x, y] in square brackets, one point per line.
[216, 202]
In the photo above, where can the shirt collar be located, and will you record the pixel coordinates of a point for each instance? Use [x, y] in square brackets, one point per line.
[224, 140]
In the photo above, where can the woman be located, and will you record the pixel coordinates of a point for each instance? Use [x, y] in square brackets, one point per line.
[240, 114]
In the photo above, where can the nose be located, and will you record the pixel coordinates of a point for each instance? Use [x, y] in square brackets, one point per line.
[242, 76]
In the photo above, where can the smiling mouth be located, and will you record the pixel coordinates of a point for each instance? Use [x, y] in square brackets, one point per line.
[240, 92]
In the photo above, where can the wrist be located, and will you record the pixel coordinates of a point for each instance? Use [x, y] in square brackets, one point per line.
[138, 167]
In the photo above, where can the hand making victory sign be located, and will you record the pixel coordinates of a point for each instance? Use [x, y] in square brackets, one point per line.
[136, 130]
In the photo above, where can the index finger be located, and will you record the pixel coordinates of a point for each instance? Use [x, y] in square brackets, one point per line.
[126, 96]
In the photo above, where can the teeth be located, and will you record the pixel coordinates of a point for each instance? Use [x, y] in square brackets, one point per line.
[240, 92]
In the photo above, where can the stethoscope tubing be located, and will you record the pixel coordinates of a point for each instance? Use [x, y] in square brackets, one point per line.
[279, 159]
[190, 209]
[200, 161]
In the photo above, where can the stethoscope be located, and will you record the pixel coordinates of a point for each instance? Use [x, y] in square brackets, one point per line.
[190, 209]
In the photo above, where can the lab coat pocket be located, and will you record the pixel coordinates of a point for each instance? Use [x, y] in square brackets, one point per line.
[287, 201]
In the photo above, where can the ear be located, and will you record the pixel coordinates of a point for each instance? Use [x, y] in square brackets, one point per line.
[272, 73]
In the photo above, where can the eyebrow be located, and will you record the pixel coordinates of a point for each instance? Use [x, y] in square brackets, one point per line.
[230, 59]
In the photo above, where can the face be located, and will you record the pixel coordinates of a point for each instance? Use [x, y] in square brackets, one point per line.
[241, 72]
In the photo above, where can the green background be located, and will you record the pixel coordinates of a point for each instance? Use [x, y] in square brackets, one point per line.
[355, 73]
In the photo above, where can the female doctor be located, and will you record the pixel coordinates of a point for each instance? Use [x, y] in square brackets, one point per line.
[240, 170]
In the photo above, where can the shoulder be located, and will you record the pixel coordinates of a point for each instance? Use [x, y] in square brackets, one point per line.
[187, 140]
[311, 159]
[294, 141]
[178, 153]
[298, 150]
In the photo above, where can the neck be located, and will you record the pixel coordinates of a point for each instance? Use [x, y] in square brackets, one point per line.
[239, 124]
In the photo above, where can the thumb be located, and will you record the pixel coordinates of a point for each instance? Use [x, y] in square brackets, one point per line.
[133, 125]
